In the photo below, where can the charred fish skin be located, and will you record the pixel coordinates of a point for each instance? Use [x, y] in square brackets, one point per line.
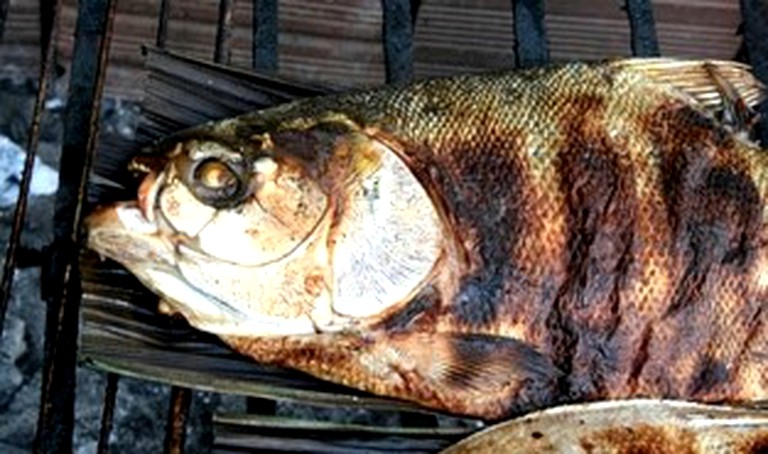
[596, 216]
[602, 238]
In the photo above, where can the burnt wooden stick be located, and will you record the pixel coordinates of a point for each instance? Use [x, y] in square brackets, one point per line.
[398, 40]
[223, 49]
[164, 12]
[642, 27]
[264, 45]
[93, 35]
[530, 42]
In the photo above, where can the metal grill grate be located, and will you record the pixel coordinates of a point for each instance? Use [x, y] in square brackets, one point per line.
[92, 37]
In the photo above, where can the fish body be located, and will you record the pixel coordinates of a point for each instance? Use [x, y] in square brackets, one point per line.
[485, 245]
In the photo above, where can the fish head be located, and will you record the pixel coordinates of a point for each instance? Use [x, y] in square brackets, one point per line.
[297, 228]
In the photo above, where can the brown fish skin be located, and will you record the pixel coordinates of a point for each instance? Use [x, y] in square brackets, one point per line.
[605, 240]
[611, 226]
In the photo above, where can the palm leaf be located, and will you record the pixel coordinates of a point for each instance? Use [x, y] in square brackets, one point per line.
[237, 433]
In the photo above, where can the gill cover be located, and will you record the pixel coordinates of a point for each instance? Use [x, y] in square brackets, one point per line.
[323, 224]
[387, 236]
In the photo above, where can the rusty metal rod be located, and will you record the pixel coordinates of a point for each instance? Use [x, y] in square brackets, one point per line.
[642, 28]
[530, 33]
[47, 18]
[398, 40]
[33, 140]
[224, 32]
[415, 7]
[264, 43]
[93, 34]
[163, 14]
[176, 431]
[4, 7]
[108, 412]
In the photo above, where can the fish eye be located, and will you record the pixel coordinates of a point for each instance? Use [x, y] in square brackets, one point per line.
[216, 183]
[215, 175]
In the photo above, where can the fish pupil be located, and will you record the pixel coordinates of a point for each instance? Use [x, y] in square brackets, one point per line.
[215, 175]
[216, 183]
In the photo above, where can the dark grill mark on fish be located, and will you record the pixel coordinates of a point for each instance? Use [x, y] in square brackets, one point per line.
[640, 360]
[720, 229]
[735, 193]
[482, 184]
[757, 445]
[708, 375]
[680, 136]
[478, 301]
[600, 218]
[419, 310]
[753, 327]
[712, 204]
[311, 144]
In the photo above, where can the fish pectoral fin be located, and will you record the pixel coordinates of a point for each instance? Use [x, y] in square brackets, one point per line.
[475, 375]
[487, 376]
[726, 89]
[480, 363]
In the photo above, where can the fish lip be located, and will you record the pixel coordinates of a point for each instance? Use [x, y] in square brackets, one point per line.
[148, 192]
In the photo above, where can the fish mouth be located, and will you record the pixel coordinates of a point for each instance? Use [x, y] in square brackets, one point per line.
[134, 235]
[122, 233]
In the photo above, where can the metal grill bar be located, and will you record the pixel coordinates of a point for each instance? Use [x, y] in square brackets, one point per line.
[398, 40]
[108, 413]
[163, 14]
[93, 33]
[224, 32]
[264, 45]
[642, 28]
[3, 15]
[48, 15]
[175, 433]
[46, 65]
[530, 33]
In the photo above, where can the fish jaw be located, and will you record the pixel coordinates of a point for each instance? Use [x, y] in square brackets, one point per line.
[122, 233]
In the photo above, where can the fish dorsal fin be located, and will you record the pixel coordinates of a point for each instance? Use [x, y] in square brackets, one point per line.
[726, 89]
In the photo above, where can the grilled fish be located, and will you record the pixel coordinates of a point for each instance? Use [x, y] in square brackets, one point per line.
[485, 245]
